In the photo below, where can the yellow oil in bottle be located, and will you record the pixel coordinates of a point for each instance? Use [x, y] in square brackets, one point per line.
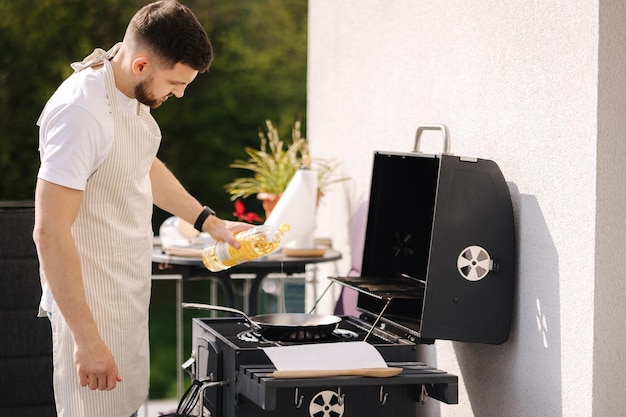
[255, 242]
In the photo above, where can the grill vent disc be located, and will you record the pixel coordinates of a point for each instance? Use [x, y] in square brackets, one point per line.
[474, 263]
[326, 404]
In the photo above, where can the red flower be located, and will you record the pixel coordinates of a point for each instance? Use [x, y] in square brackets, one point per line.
[240, 213]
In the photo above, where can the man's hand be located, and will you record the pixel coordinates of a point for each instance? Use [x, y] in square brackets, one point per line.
[96, 367]
[224, 230]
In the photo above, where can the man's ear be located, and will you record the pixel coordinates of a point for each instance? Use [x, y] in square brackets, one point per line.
[141, 64]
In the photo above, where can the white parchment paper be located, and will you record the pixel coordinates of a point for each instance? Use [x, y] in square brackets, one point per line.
[325, 356]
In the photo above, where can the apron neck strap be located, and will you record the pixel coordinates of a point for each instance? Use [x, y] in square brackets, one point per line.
[96, 57]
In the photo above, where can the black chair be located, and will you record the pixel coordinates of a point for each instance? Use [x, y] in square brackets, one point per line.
[26, 340]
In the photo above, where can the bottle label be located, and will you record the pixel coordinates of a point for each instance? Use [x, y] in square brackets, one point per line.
[221, 250]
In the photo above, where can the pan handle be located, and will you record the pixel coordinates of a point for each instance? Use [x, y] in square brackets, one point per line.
[210, 307]
[444, 131]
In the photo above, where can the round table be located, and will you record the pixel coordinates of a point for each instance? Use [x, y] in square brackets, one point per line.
[277, 262]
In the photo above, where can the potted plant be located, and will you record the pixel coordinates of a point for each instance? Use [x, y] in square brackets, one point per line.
[274, 164]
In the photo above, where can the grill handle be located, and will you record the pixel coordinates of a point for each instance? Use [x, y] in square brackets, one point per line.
[444, 132]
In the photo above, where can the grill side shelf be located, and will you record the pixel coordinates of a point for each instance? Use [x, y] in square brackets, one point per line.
[251, 383]
[254, 382]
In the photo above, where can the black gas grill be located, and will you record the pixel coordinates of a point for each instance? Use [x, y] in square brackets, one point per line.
[227, 350]
[438, 263]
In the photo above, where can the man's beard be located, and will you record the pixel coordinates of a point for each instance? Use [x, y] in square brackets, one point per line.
[143, 96]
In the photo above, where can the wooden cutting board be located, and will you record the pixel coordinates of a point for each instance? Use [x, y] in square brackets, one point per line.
[371, 372]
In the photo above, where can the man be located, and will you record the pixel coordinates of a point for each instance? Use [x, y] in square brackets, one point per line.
[98, 181]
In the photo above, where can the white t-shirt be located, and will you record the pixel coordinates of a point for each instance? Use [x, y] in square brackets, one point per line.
[76, 135]
[76, 129]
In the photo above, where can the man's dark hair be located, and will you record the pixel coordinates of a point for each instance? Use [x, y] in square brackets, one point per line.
[172, 32]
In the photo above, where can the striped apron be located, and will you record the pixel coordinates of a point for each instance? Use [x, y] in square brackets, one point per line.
[113, 233]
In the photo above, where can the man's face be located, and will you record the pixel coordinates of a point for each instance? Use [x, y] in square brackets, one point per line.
[144, 96]
[161, 84]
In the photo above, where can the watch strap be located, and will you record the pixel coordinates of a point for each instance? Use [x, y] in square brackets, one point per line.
[206, 212]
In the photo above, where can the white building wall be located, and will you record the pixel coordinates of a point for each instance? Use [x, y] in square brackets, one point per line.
[538, 87]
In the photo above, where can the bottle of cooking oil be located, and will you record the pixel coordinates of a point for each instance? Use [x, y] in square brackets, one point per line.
[255, 242]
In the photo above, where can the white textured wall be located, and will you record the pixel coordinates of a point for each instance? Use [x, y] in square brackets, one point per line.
[540, 88]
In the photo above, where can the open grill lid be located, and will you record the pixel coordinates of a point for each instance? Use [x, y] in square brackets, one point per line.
[439, 257]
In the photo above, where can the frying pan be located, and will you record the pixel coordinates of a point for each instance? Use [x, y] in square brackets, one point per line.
[282, 327]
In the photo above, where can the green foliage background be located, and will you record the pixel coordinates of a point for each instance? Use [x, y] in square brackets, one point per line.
[258, 73]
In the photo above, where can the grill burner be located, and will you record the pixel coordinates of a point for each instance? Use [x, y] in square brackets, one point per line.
[251, 336]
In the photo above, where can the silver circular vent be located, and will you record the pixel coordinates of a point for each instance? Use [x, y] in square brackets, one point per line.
[326, 404]
[474, 263]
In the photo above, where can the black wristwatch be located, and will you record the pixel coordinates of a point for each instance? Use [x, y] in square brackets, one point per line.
[206, 212]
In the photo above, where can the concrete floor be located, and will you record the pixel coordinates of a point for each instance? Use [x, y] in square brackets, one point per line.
[155, 408]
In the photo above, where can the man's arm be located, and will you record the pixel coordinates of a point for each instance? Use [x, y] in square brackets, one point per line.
[171, 196]
[56, 208]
